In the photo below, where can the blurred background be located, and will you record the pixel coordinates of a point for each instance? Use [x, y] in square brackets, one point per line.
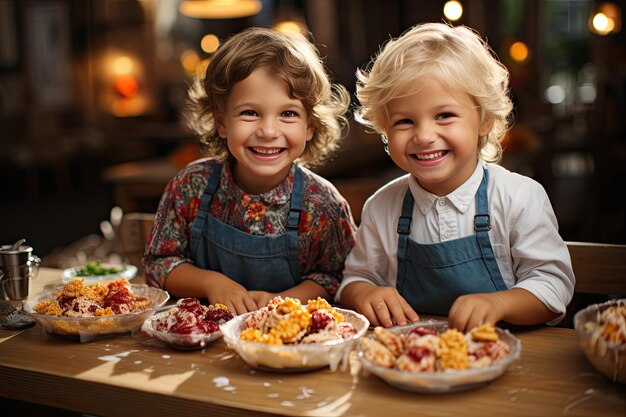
[91, 93]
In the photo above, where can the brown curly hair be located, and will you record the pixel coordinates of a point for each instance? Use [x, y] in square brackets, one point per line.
[289, 57]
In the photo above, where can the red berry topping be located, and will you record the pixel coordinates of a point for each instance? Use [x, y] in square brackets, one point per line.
[417, 353]
[422, 331]
[320, 320]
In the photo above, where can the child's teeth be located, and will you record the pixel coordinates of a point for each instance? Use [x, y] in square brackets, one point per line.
[430, 155]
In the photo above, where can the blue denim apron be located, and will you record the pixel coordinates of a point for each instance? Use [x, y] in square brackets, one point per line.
[266, 263]
[432, 276]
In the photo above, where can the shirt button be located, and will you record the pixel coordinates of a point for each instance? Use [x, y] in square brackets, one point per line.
[441, 202]
[446, 235]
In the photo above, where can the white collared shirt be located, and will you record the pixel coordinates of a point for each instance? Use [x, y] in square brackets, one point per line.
[524, 233]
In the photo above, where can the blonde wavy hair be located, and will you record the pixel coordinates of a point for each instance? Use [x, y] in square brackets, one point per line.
[289, 57]
[457, 57]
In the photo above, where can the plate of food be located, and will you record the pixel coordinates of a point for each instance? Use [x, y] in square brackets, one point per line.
[429, 357]
[96, 271]
[290, 337]
[188, 325]
[601, 331]
[85, 312]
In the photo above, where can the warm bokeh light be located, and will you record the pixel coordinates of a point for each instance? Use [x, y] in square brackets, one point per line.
[190, 60]
[602, 24]
[606, 19]
[126, 86]
[453, 10]
[519, 52]
[290, 26]
[219, 9]
[123, 65]
[209, 43]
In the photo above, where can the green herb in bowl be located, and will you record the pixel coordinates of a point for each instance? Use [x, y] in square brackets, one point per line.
[96, 268]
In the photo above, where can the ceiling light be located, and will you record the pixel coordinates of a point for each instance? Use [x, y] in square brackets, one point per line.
[219, 9]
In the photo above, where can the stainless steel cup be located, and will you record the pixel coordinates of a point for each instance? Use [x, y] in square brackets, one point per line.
[18, 267]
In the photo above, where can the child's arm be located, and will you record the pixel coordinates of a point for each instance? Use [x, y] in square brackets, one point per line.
[190, 281]
[515, 306]
[381, 305]
[539, 261]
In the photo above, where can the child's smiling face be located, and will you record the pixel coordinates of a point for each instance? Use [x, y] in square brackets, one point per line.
[433, 134]
[266, 130]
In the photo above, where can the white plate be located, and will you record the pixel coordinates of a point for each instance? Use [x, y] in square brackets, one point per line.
[126, 271]
[293, 358]
[443, 381]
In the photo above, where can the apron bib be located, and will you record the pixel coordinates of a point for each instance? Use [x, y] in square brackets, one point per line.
[265, 263]
[432, 276]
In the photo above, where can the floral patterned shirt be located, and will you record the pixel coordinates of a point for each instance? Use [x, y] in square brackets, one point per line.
[326, 231]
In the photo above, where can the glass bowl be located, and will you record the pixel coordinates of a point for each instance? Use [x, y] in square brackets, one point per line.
[297, 357]
[178, 341]
[442, 381]
[86, 329]
[126, 271]
[609, 358]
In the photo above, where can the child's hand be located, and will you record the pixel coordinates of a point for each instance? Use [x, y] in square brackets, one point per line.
[232, 295]
[261, 298]
[381, 305]
[472, 310]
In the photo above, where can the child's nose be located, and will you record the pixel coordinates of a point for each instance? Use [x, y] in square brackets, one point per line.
[268, 128]
[425, 133]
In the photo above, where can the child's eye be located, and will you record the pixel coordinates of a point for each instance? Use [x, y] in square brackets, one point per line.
[289, 113]
[402, 122]
[445, 115]
[251, 113]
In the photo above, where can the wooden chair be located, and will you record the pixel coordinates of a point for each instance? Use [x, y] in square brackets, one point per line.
[600, 271]
[133, 235]
[599, 268]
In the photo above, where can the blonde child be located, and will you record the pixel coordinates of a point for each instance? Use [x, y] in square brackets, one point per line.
[251, 221]
[459, 235]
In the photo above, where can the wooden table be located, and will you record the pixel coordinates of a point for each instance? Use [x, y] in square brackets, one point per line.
[123, 377]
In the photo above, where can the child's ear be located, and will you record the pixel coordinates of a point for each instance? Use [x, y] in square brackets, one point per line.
[310, 131]
[219, 125]
[485, 127]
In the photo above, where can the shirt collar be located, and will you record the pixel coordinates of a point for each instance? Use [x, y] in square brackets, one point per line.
[461, 198]
[278, 195]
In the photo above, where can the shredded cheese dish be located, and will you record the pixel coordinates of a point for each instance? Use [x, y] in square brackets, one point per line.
[76, 299]
[286, 321]
[610, 324]
[425, 350]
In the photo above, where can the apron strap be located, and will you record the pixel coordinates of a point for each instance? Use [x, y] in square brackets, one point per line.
[295, 211]
[210, 188]
[203, 211]
[404, 228]
[482, 225]
[404, 222]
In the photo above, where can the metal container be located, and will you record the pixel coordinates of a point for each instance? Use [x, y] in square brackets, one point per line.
[18, 267]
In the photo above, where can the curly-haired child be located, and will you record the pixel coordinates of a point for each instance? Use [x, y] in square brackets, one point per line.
[252, 221]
